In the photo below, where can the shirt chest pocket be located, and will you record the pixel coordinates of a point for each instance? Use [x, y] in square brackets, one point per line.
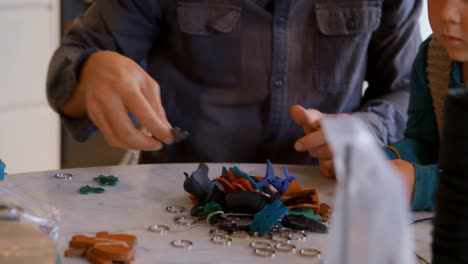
[341, 41]
[348, 18]
[209, 42]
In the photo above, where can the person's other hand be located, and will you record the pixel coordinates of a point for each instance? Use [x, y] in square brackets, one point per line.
[314, 141]
[407, 173]
[111, 86]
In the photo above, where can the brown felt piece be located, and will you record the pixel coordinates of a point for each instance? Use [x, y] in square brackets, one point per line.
[81, 241]
[75, 252]
[131, 240]
[95, 259]
[324, 211]
[104, 248]
[292, 188]
[304, 194]
[113, 252]
[303, 206]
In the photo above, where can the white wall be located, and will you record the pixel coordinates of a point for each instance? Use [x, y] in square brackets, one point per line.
[424, 22]
[29, 129]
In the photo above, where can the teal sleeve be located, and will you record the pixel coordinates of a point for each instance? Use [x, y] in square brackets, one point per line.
[390, 154]
[424, 188]
[420, 143]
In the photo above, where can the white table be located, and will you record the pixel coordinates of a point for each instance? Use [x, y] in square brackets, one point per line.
[140, 199]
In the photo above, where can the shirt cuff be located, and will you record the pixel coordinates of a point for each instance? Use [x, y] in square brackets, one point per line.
[374, 125]
[81, 129]
[424, 187]
[63, 76]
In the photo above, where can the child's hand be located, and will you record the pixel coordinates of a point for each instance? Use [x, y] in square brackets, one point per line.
[407, 173]
[314, 141]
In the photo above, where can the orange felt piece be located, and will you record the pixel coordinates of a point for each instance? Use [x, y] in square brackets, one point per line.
[303, 206]
[304, 194]
[130, 240]
[247, 184]
[228, 187]
[292, 188]
[114, 252]
[104, 248]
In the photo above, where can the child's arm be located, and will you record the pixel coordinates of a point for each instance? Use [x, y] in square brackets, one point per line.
[419, 148]
[420, 182]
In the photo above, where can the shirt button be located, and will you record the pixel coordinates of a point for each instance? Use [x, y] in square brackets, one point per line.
[279, 83]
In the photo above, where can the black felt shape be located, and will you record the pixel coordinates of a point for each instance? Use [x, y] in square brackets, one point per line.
[300, 222]
[198, 184]
[245, 202]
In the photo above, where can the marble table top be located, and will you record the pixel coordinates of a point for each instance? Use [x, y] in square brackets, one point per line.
[140, 200]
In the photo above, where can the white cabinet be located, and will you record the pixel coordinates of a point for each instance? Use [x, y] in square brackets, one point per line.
[29, 129]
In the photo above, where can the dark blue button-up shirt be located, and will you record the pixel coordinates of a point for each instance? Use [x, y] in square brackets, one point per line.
[229, 70]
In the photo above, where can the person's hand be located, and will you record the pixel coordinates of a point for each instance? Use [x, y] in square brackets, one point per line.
[110, 86]
[407, 173]
[314, 142]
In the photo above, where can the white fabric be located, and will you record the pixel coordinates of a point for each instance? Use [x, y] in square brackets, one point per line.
[371, 218]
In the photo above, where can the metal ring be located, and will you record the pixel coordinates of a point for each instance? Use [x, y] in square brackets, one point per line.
[309, 252]
[218, 232]
[221, 240]
[285, 247]
[240, 234]
[64, 176]
[185, 220]
[265, 252]
[260, 245]
[285, 230]
[182, 243]
[255, 236]
[284, 238]
[298, 236]
[161, 229]
[265, 194]
[208, 217]
[175, 209]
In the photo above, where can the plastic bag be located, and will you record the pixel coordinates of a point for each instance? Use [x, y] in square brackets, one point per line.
[371, 211]
[28, 229]
[16, 206]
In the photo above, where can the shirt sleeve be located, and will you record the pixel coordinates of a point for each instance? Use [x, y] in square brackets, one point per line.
[391, 52]
[425, 187]
[129, 27]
